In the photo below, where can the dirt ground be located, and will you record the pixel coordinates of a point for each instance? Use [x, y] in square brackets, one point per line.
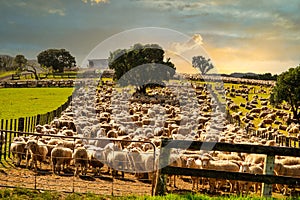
[11, 176]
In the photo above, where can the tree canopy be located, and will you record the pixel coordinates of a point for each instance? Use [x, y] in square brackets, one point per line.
[287, 89]
[6, 63]
[20, 62]
[201, 63]
[22, 65]
[58, 59]
[141, 66]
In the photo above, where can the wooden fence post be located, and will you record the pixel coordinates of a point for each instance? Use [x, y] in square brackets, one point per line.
[161, 179]
[38, 119]
[268, 169]
[21, 124]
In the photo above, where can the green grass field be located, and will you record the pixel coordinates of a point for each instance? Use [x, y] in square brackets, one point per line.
[8, 73]
[34, 194]
[23, 102]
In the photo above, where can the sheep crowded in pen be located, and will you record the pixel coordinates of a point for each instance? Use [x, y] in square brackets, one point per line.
[114, 114]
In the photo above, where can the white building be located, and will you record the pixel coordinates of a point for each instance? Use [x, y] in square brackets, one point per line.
[98, 63]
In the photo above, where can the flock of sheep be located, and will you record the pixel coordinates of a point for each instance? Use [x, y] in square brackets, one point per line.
[114, 128]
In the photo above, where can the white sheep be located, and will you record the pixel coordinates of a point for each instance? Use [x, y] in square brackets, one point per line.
[80, 157]
[208, 162]
[252, 169]
[60, 157]
[118, 161]
[195, 164]
[17, 149]
[36, 152]
[286, 170]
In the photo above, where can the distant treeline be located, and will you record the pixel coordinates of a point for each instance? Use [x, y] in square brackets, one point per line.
[265, 76]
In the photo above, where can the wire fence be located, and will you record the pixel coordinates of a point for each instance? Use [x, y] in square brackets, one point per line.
[104, 182]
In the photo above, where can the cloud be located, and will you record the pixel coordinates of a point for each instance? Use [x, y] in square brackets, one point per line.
[92, 2]
[60, 12]
[180, 47]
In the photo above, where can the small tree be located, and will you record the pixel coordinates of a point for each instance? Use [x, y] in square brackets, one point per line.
[58, 59]
[287, 89]
[203, 64]
[141, 66]
[20, 61]
[23, 65]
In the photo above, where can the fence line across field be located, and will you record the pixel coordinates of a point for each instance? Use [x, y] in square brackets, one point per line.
[84, 183]
[28, 123]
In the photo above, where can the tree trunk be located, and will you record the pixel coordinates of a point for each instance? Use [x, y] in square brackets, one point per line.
[142, 89]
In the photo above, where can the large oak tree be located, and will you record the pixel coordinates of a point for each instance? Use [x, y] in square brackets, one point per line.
[141, 66]
[58, 59]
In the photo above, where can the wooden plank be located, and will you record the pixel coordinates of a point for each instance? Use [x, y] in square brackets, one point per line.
[269, 170]
[5, 144]
[161, 179]
[219, 146]
[262, 178]
[28, 124]
[15, 126]
[21, 124]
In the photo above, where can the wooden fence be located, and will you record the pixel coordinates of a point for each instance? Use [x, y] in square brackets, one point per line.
[27, 124]
[268, 178]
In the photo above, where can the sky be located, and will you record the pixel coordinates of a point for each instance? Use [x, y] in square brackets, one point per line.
[238, 36]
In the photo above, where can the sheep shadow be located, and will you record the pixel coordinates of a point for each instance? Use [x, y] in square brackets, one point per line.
[104, 178]
[43, 172]
[124, 179]
[86, 178]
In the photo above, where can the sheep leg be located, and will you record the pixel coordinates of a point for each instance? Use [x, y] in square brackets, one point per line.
[19, 158]
[175, 181]
[54, 162]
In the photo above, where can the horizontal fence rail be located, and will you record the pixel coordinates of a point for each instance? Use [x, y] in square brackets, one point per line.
[268, 178]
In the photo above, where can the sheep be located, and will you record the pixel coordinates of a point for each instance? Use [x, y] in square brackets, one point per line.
[37, 153]
[286, 170]
[290, 161]
[223, 156]
[118, 161]
[17, 149]
[80, 157]
[207, 162]
[60, 156]
[175, 161]
[97, 158]
[255, 158]
[249, 168]
[196, 164]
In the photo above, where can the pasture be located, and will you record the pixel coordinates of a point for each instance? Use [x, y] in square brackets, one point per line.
[113, 120]
[23, 102]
